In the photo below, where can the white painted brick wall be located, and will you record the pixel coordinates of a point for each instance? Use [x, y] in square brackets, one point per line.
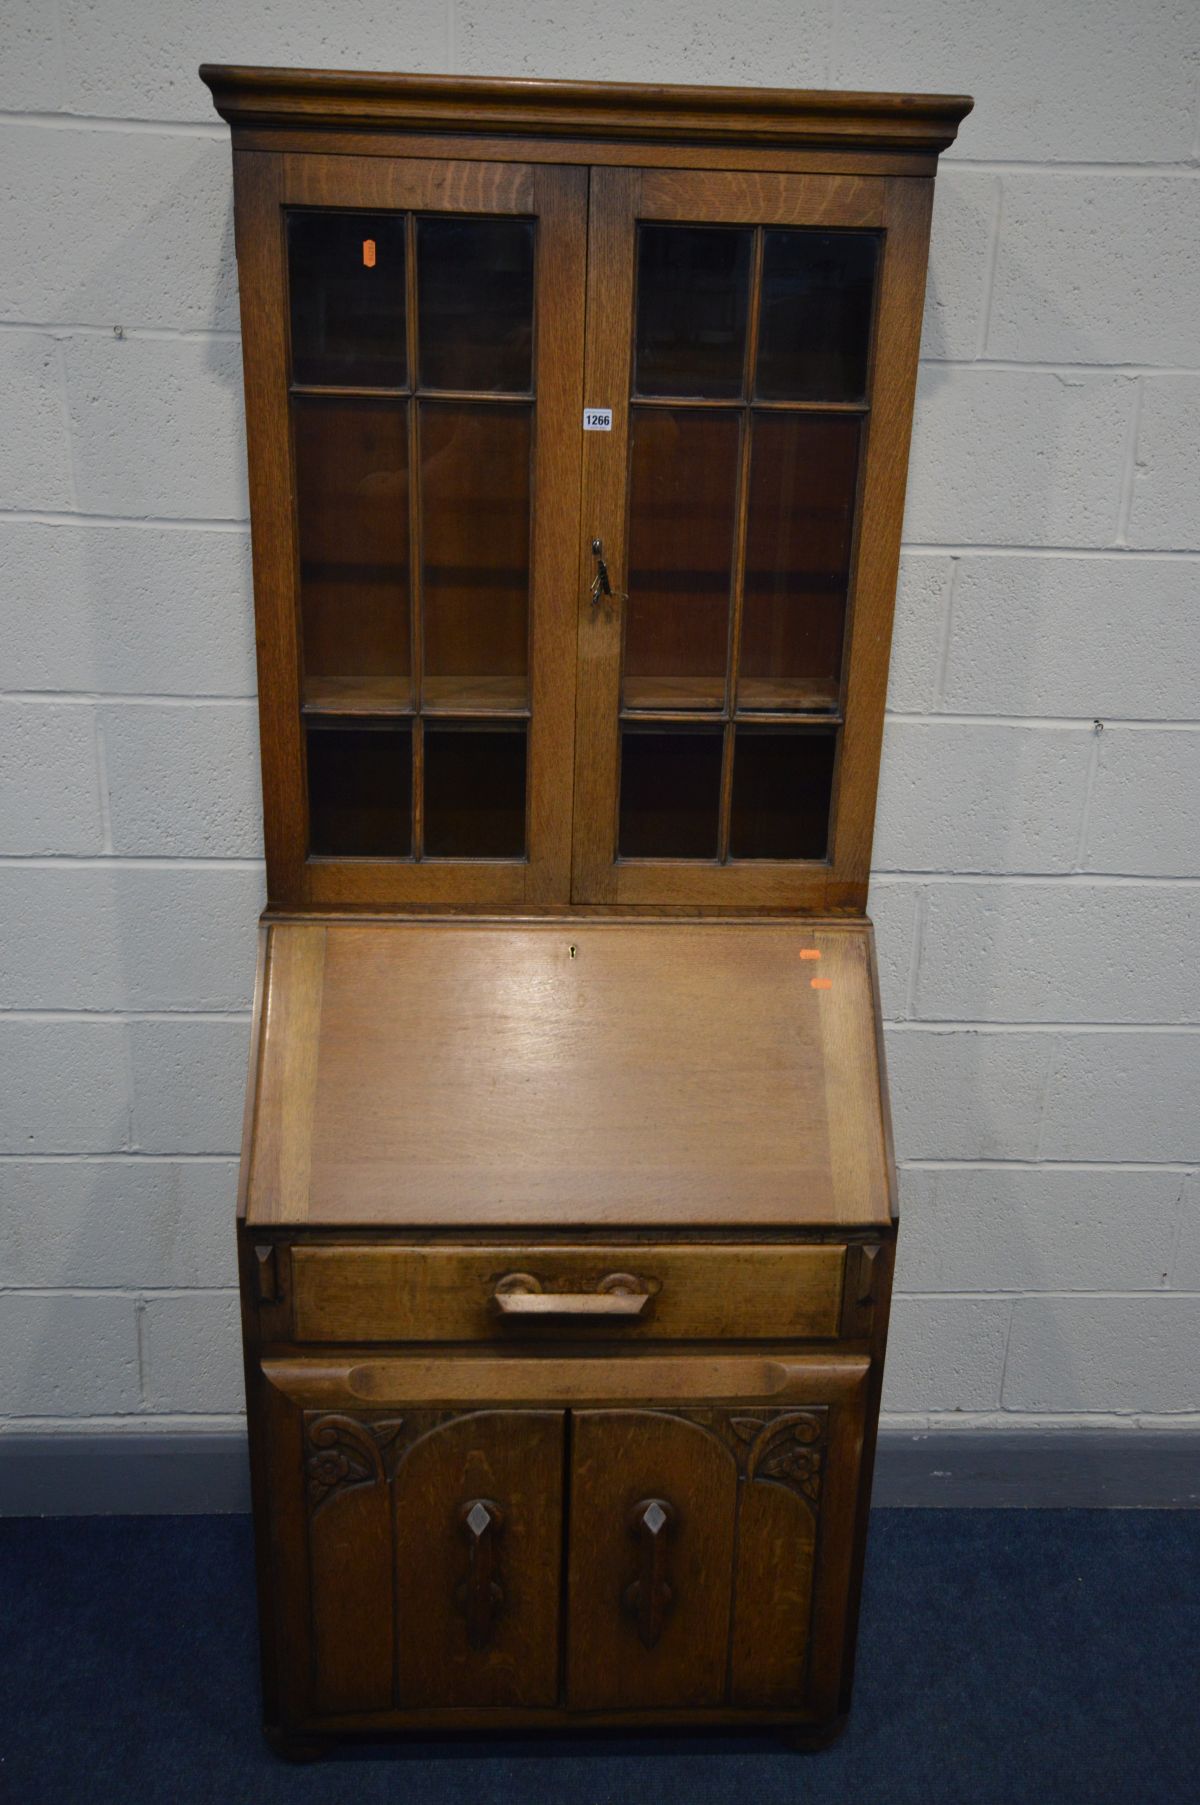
[966, 1093]
[64, 1080]
[1037, 880]
[159, 937]
[948, 1353]
[192, 1359]
[1145, 819]
[68, 1354]
[1021, 456]
[1011, 1228]
[125, 609]
[1164, 500]
[137, 210]
[35, 458]
[1185, 1267]
[1043, 636]
[183, 781]
[1102, 1353]
[188, 1080]
[1089, 264]
[1030, 953]
[975, 796]
[155, 426]
[118, 1222]
[51, 800]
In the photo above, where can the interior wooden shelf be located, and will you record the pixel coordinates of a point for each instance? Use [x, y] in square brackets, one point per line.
[759, 404]
[665, 695]
[374, 391]
[358, 695]
[784, 695]
[474, 695]
[755, 695]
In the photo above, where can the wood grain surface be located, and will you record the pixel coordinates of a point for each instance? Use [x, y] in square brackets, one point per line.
[671, 1073]
[246, 95]
[374, 1292]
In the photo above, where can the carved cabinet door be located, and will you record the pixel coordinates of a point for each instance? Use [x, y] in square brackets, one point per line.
[693, 1567]
[415, 1554]
[424, 1567]
[478, 1547]
[651, 1539]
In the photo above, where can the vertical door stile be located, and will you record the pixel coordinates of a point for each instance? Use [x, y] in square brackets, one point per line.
[416, 577]
[610, 285]
[261, 259]
[561, 197]
[884, 481]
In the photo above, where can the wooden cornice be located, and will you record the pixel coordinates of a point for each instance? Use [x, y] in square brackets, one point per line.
[291, 98]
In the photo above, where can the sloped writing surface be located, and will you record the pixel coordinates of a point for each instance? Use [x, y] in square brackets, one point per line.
[569, 1072]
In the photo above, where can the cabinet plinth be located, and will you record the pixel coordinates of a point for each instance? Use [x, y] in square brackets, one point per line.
[577, 425]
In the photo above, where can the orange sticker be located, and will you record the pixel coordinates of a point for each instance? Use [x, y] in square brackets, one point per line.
[809, 952]
[369, 252]
[821, 983]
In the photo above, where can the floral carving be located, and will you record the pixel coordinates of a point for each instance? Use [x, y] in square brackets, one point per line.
[346, 1451]
[787, 1448]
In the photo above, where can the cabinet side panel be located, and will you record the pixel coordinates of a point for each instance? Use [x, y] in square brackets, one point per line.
[874, 1296]
[881, 516]
[838, 1552]
[289, 1653]
[261, 1475]
[281, 1154]
[261, 283]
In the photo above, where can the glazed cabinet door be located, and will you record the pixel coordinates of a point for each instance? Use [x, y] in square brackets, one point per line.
[754, 339]
[413, 347]
[710, 1555]
[416, 1558]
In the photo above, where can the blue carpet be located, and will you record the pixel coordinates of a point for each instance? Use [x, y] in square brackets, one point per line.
[1005, 1656]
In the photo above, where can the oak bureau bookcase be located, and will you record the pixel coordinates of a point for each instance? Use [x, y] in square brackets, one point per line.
[578, 422]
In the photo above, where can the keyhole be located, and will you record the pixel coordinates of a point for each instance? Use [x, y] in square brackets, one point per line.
[572, 950]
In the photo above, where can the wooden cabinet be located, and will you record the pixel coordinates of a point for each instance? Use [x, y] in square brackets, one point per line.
[441, 1559]
[577, 423]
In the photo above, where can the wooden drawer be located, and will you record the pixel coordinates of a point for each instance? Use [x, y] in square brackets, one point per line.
[635, 1291]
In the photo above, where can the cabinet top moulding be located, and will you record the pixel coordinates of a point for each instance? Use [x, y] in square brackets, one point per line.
[779, 117]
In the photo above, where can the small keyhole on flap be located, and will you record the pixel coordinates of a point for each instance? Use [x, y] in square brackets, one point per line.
[572, 950]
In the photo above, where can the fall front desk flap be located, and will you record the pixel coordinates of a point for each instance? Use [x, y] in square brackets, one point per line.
[568, 1073]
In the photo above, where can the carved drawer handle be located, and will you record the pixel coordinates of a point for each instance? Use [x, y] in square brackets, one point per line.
[650, 1597]
[480, 1595]
[620, 1294]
